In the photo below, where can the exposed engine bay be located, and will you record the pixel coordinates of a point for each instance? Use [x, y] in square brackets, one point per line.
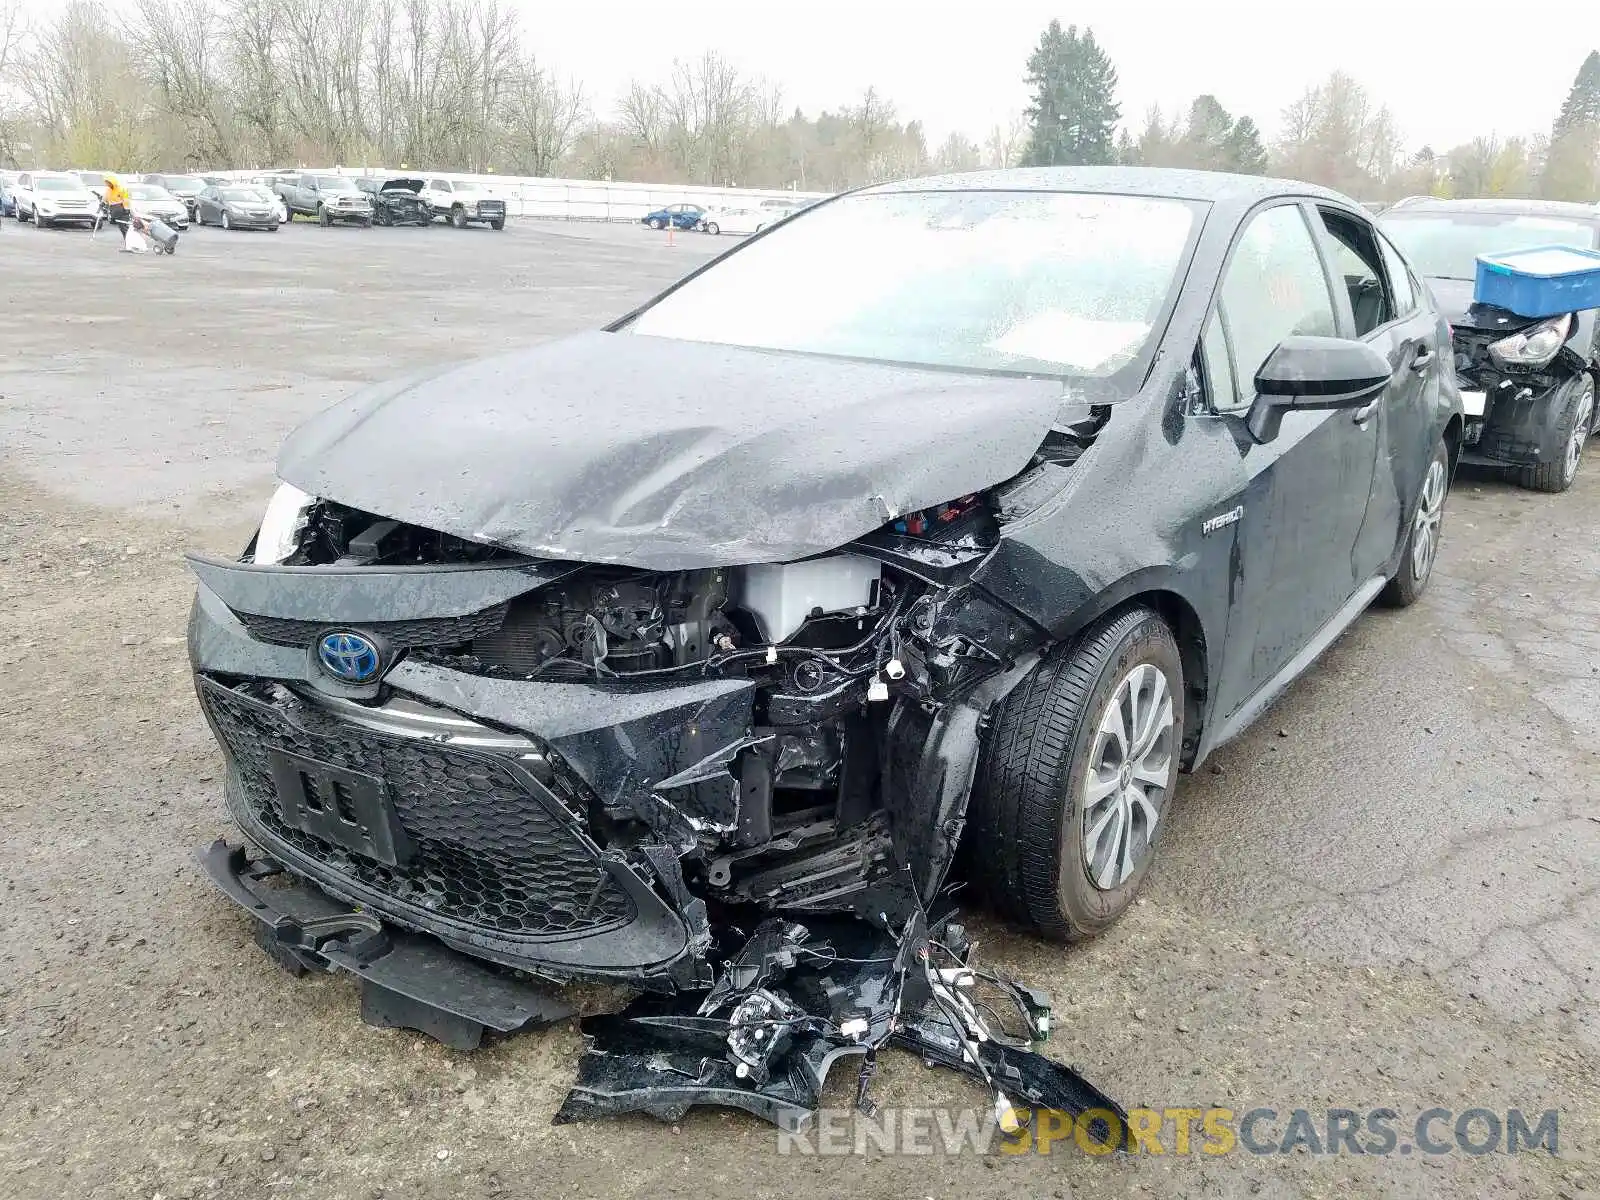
[567, 771]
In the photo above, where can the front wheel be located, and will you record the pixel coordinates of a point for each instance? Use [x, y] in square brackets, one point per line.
[1576, 425]
[323, 217]
[458, 218]
[713, 228]
[1076, 769]
[226, 222]
[1421, 550]
[498, 225]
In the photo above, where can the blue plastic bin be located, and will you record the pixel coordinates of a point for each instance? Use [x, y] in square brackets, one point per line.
[1544, 281]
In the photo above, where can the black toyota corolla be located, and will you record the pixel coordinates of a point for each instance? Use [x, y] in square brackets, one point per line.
[953, 514]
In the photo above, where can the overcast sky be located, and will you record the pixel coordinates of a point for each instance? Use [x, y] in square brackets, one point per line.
[960, 65]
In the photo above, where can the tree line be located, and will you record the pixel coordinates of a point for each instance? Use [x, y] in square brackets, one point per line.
[458, 85]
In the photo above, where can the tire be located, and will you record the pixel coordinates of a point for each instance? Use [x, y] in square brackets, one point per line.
[367, 224]
[1026, 822]
[199, 217]
[458, 218]
[657, 223]
[1576, 423]
[323, 218]
[1421, 549]
[713, 228]
[498, 225]
[273, 228]
[226, 224]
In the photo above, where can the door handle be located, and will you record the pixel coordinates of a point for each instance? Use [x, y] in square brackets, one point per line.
[1421, 359]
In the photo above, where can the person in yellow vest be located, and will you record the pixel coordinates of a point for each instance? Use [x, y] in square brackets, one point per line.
[117, 203]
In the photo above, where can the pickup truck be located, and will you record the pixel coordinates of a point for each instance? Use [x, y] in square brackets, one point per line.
[328, 198]
[463, 204]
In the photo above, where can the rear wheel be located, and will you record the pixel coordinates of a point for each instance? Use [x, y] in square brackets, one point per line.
[1077, 767]
[1576, 424]
[458, 217]
[713, 228]
[1421, 550]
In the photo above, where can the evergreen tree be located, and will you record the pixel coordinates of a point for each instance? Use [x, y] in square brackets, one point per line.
[1582, 105]
[1246, 154]
[1074, 113]
[1207, 138]
[1572, 166]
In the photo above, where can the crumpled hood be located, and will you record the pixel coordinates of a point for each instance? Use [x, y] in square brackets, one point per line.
[668, 455]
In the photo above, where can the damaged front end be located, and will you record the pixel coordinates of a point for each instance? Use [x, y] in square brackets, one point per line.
[1518, 377]
[467, 772]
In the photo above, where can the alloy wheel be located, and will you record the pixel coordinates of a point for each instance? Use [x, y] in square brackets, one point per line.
[1430, 510]
[1580, 431]
[1126, 786]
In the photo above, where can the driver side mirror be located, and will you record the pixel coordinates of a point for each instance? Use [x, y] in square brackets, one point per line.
[1305, 372]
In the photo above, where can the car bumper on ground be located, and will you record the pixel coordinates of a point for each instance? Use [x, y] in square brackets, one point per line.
[407, 980]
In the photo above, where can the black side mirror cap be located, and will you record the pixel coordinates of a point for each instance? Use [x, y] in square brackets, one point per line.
[1305, 372]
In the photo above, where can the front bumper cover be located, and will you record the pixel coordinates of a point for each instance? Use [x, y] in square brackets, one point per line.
[407, 980]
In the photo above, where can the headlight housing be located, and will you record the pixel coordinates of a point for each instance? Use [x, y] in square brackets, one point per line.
[282, 525]
[1534, 346]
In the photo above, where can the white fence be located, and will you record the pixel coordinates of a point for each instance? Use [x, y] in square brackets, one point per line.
[582, 199]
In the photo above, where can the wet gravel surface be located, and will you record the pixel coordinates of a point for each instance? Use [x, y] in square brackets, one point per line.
[1385, 895]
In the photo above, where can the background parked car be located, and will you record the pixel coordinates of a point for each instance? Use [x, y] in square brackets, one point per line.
[1528, 385]
[397, 201]
[329, 198]
[150, 201]
[8, 200]
[237, 206]
[738, 220]
[265, 184]
[679, 216]
[184, 187]
[463, 204]
[95, 181]
[55, 198]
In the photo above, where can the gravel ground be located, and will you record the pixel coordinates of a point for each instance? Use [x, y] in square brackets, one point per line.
[1384, 895]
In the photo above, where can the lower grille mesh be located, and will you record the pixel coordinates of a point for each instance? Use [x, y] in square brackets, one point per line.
[487, 852]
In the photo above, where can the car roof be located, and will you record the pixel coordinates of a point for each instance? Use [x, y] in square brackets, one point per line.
[1214, 187]
[1508, 206]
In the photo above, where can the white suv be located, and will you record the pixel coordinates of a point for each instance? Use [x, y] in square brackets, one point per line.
[55, 198]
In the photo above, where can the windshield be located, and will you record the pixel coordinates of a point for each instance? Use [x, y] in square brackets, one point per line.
[182, 183]
[147, 191]
[1445, 245]
[242, 195]
[50, 183]
[335, 183]
[90, 179]
[1034, 282]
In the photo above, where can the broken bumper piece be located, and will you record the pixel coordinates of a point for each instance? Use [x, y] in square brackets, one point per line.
[408, 980]
[797, 999]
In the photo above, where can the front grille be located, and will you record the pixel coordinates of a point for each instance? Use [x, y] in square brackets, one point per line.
[487, 853]
[400, 635]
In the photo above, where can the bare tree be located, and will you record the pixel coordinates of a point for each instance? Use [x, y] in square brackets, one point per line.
[179, 45]
[545, 118]
[1334, 134]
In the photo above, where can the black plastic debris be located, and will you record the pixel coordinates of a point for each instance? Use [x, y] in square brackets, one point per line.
[797, 997]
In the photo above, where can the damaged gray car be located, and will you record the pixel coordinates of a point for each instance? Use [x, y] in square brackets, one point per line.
[953, 518]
